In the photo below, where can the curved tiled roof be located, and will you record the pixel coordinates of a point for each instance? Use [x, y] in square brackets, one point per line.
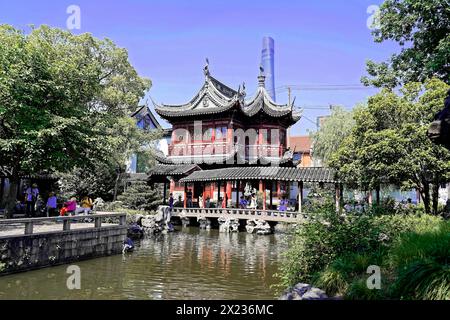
[312, 174]
[172, 170]
[215, 97]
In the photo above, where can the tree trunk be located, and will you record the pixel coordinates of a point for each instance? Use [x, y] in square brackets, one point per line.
[378, 195]
[426, 197]
[11, 198]
[435, 198]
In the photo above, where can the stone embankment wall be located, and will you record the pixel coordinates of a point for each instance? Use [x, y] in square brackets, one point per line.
[27, 252]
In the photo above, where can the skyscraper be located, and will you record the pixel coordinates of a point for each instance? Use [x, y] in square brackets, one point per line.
[268, 63]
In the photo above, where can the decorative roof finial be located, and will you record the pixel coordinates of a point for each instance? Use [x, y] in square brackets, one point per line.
[206, 68]
[261, 77]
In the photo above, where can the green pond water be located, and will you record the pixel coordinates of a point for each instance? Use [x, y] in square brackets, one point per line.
[188, 264]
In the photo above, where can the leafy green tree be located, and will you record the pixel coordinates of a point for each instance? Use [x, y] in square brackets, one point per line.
[333, 131]
[389, 143]
[60, 96]
[101, 177]
[422, 30]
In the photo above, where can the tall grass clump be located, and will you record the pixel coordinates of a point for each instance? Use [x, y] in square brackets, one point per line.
[422, 264]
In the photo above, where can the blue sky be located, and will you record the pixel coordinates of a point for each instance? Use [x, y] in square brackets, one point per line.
[316, 42]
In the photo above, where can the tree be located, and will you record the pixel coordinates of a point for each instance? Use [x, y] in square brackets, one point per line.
[100, 178]
[422, 29]
[333, 131]
[140, 196]
[59, 95]
[389, 143]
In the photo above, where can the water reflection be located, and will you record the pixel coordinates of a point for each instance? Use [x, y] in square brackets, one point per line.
[193, 264]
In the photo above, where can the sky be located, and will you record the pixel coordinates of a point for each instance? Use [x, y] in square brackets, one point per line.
[320, 42]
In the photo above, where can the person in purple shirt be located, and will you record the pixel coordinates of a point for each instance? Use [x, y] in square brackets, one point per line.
[71, 206]
[171, 201]
[52, 204]
[31, 194]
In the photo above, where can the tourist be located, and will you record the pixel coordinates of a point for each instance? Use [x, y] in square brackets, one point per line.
[51, 205]
[189, 199]
[86, 204]
[31, 194]
[40, 207]
[19, 208]
[283, 204]
[253, 202]
[224, 201]
[71, 206]
[201, 205]
[208, 202]
[171, 201]
[243, 203]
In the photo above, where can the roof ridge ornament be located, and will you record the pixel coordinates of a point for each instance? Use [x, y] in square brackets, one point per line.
[206, 68]
[261, 77]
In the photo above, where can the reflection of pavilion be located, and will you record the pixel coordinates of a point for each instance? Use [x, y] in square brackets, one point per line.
[222, 142]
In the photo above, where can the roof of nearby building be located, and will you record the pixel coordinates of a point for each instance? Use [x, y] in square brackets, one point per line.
[300, 143]
[321, 174]
[144, 111]
[172, 170]
[215, 97]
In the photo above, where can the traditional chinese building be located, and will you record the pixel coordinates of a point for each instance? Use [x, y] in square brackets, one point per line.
[225, 145]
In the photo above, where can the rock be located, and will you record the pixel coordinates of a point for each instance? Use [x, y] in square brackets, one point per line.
[159, 222]
[257, 226]
[303, 291]
[228, 225]
[204, 223]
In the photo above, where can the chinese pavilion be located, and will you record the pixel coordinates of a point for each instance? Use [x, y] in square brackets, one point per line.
[224, 145]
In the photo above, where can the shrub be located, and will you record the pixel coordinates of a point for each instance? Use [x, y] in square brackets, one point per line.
[333, 251]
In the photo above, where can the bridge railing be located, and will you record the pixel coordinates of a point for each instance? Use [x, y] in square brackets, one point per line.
[97, 219]
[269, 215]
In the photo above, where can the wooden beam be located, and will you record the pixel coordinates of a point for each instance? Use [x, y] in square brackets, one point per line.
[300, 196]
[165, 193]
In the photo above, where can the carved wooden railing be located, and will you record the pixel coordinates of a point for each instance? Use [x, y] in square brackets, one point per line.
[268, 215]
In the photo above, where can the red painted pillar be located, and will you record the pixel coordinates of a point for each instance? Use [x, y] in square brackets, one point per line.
[185, 195]
[262, 189]
[264, 196]
[229, 189]
[278, 189]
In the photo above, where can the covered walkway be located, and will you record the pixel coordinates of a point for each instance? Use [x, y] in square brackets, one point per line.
[265, 175]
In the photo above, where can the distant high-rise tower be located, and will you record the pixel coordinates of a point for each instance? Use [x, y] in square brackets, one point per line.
[268, 62]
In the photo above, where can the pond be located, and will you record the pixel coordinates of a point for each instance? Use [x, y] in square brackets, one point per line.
[187, 264]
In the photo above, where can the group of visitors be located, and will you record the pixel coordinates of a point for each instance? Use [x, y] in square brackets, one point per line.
[249, 202]
[71, 207]
[34, 205]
